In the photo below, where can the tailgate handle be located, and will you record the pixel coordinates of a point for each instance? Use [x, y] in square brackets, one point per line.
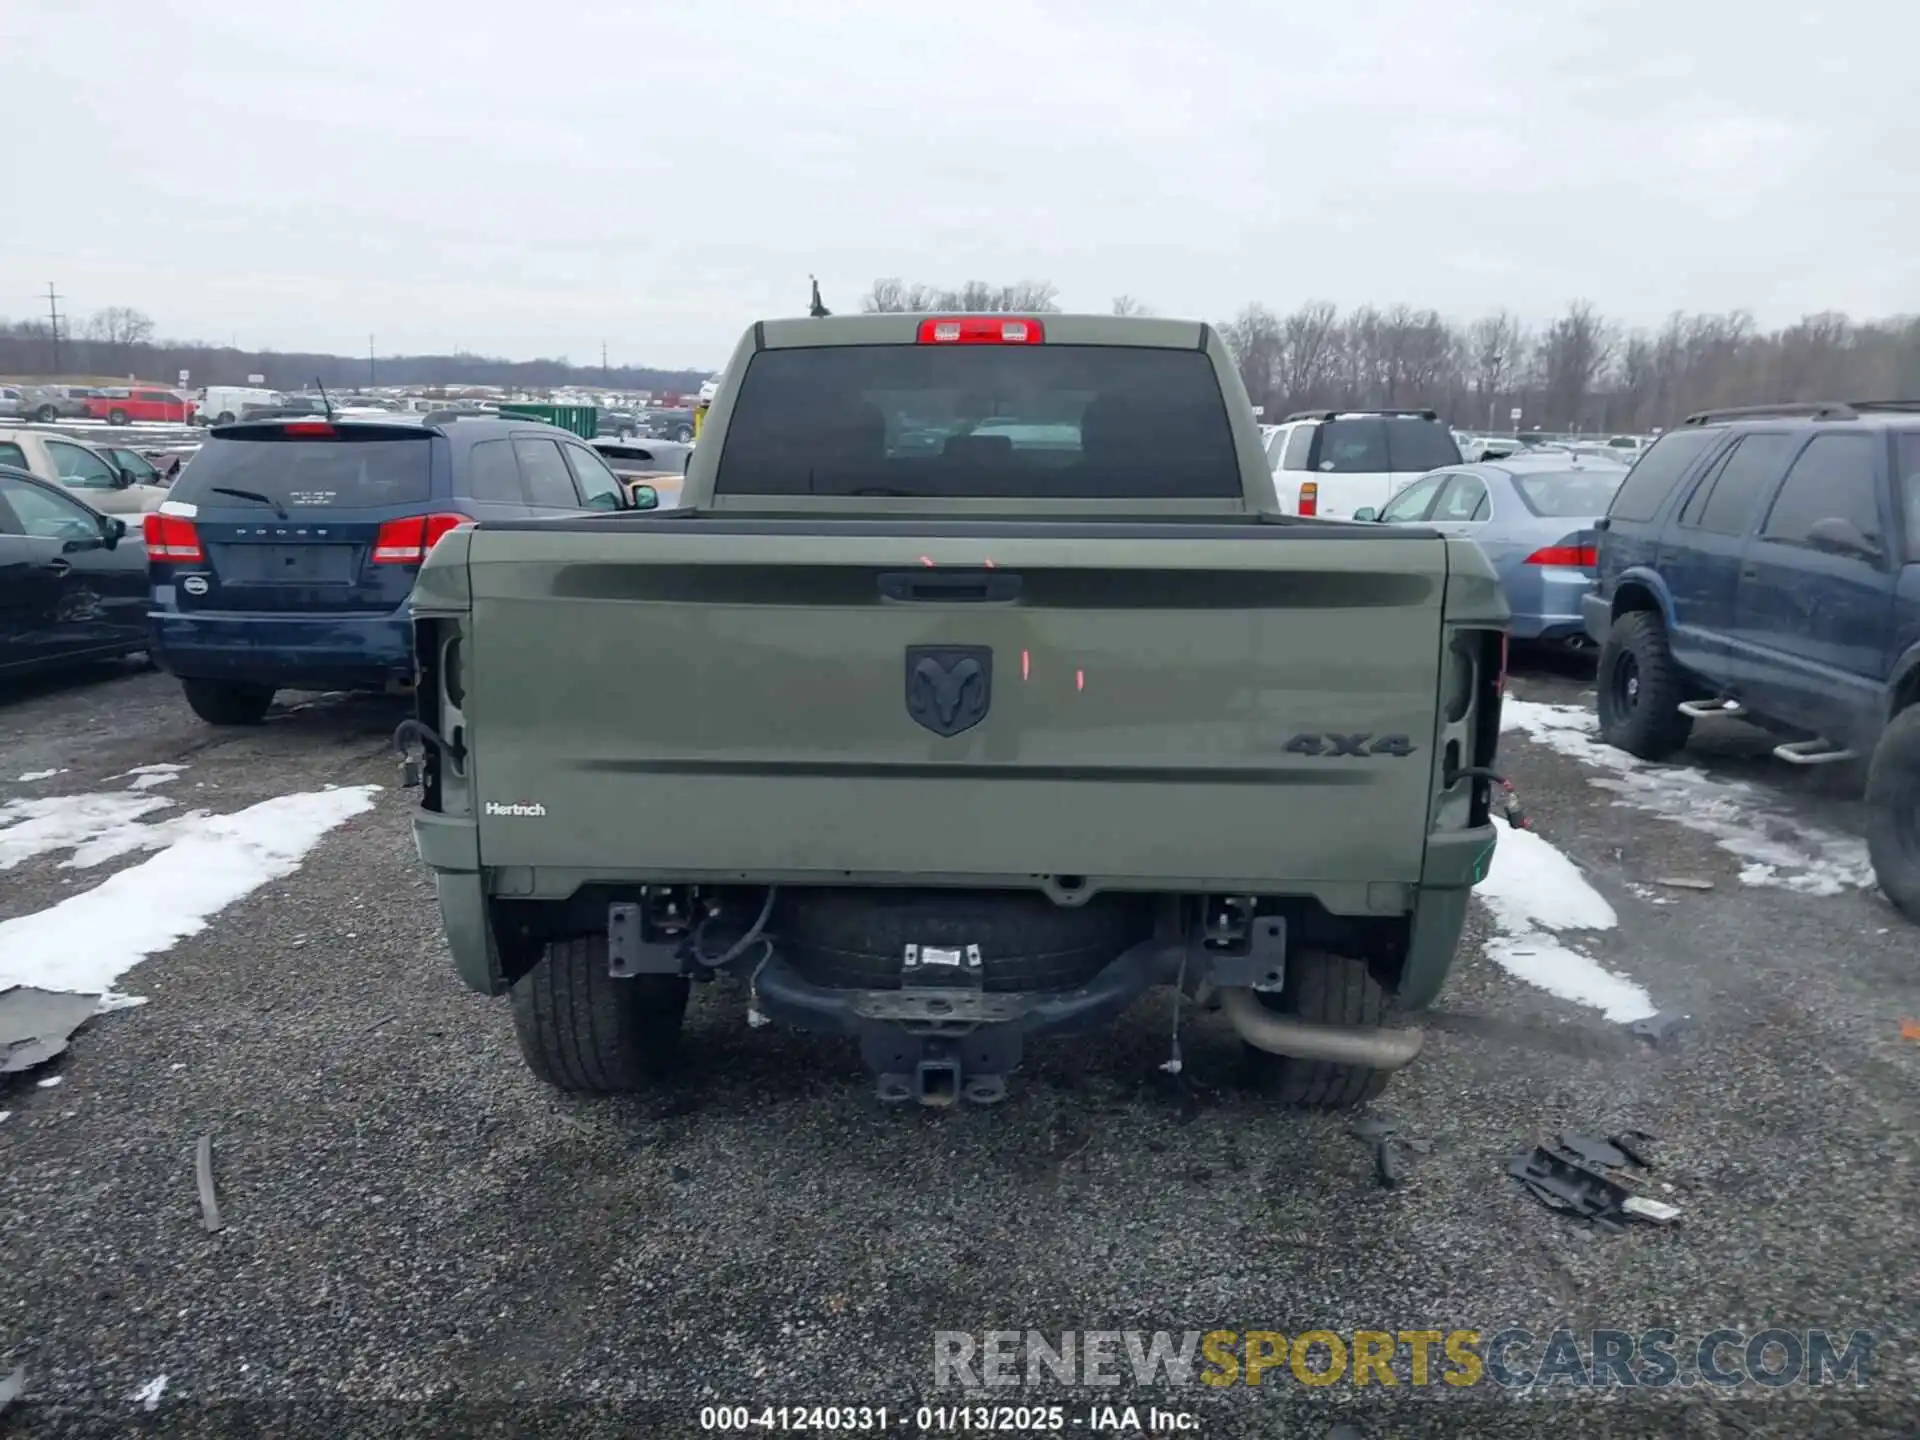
[978, 587]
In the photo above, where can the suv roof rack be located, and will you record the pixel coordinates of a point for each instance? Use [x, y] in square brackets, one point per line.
[1800, 409]
[1912, 406]
[1342, 414]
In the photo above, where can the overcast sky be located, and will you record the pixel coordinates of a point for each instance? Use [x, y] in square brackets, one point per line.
[534, 179]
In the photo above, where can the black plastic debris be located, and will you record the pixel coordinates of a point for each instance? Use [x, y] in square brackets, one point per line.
[1662, 1027]
[1598, 1153]
[1386, 1164]
[1636, 1145]
[1589, 1179]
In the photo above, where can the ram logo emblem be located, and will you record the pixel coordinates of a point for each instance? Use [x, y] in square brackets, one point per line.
[949, 687]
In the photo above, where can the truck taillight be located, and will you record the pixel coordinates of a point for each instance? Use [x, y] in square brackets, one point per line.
[172, 539]
[1310, 497]
[406, 542]
[982, 330]
[1576, 557]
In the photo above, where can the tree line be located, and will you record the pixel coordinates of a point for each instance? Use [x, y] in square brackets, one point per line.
[119, 341]
[1580, 372]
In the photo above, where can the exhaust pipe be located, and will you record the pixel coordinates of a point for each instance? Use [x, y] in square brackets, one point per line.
[1305, 1040]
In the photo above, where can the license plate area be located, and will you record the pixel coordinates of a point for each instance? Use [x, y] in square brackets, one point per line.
[286, 564]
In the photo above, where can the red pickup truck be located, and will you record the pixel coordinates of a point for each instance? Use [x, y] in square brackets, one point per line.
[139, 406]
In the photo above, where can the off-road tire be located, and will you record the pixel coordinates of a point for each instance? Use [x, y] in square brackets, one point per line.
[1334, 990]
[856, 939]
[1893, 811]
[228, 702]
[581, 1029]
[1638, 687]
[116, 417]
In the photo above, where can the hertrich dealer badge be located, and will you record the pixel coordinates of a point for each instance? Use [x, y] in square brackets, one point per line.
[494, 807]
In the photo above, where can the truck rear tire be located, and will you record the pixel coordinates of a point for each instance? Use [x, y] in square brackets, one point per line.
[1638, 689]
[228, 702]
[1893, 811]
[1334, 990]
[581, 1029]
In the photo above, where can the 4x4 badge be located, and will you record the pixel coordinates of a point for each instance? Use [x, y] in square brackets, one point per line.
[949, 687]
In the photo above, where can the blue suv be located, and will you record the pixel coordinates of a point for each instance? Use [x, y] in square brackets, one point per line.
[1765, 563]
[285, 554]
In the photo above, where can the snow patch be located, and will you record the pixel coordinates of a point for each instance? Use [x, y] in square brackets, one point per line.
[88, 941]
[1739, 817]
[51, 1081]
[32, 775]
[1532, 892]
[29, 828]
[149, 1394]
[145, 777]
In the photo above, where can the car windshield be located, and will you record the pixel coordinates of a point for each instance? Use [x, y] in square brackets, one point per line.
[345, 470]
[1569, 492]
[1054, 421]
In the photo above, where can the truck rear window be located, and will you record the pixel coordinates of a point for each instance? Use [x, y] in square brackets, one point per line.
[346, 470]
[1045, 421]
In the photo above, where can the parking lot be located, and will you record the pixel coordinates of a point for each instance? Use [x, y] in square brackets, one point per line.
[417, 1234]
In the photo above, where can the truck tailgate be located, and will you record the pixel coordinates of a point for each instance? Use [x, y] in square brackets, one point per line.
[1146, 703]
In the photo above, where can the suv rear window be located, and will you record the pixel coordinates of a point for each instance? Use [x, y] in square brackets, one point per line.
[350, 469]
[1372, 447]
[1046, 421]
[1655, 473]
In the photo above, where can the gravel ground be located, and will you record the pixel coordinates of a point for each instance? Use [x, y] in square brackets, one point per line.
[419, 1238]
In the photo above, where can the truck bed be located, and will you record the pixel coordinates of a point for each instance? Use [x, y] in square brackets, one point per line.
[704, 697]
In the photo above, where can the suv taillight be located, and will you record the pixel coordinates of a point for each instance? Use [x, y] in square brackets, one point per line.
[1310, 497]
[406, 542]
[172, 539]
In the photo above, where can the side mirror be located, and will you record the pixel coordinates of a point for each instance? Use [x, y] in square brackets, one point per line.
[112, 531]
[1366, 512]
[1842, 537]
[645, 497]
[123, 477]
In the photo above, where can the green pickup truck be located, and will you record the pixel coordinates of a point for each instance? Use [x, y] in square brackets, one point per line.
[941, 748]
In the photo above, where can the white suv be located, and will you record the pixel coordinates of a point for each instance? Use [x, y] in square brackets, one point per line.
[1334, 462]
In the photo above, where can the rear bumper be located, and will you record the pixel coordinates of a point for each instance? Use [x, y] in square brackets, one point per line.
[331, 652]
[1548, 627]
[1455, 862]
[1596, 613]
[1546, 601]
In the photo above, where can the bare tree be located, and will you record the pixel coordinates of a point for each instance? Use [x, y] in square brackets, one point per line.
[893, 296]
[1573, 357]
[1254, 339]
[120, 325]
[1127, 305]
[1495, 345]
